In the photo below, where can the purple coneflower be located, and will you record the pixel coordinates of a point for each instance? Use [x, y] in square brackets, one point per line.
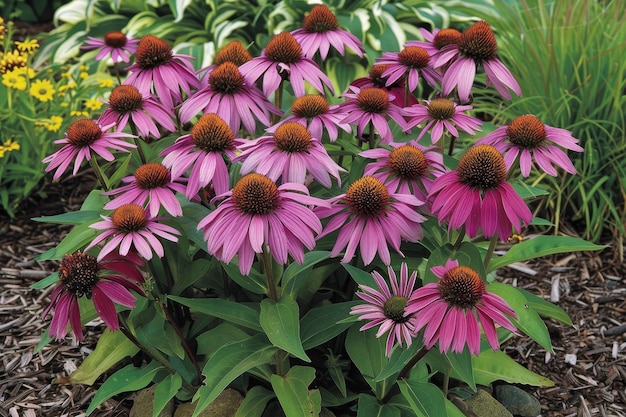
[290, 153]
[407, 168]
[234, 52]
[153, 185]
[371, 217]
[477, 195]
[131, 226]
[451, 309]
[396, 90]
[477, 46]
[370, 107]
[314, 112]
[158, 69]
[83, 137]
[320, 29]
[203, 149]
[232, 98]
[115, 43]
[281, 59]
[387, 308]
[436, 40]
[530, 139]
[441, 115]
[106, 282]
[409, 63]
[255, 213]
[128, 105]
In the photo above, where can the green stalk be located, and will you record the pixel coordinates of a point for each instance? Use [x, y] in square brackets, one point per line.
[404, 372]
[278, 101]
[266, 260]
[98, 171]
[492, 246]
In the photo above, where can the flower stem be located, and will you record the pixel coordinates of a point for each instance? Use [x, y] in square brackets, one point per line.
[407, 92]
[133, 129]
[404, 372]
[492, 247]
[269, 273]
[451, 147]
[99, 174]
[371, 138]
[278, 101]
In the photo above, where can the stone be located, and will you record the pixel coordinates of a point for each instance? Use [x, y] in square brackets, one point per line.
[144, 404]
[482, 404]
[225, 405]
[518, 401]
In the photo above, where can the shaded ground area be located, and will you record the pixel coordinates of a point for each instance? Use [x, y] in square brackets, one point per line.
[588, 365]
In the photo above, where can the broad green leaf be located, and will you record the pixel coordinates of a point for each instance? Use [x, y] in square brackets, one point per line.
[75, 240]
[75, 217]
[546, 308]
[254, 402]
[368, 355]
[46, 282]
[112, 347]
[178, 8]
[461, 364]
[359, 276]
[527, 320]
[370, 407]
[254, 282]
[212, 340]
[94, 201]
[539, 246]
[165, 391]
[228, 363]
[127, 379]
[424, 398]
[293, 392]
[399, 358]
[227, 310]
[280, 321]
[492, 366]
[310, 260]
[467, 255]
[320, 324]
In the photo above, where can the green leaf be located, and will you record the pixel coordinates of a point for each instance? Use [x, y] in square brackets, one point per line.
[77, 239]
[112, 347]
[254, 282]
[127, 379]
[467, 255]
[461, 364]
[230, 311]
[320, 324]
[546, 308]
[370, 407]
[280, 321]
[165, 391]
[46, 282]
[75, 217]
[424, 398]
[542, 246]
[228, 363]
[293, 392]
[368, 355]
[492, 366]
[255, 401]
[359, 276]
[399, 358]
[295, 270]
[528, 320]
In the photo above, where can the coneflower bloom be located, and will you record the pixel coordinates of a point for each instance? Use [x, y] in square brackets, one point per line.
[314, 112]
[232, 98]
[157, 69]
[282, 58]
[477, 46]
[386, 308]
[151, 185]
[203, 150]
[255, 213]
[289, 154]
[115, 43]
[441, 115]
[436, 40]
[83, 137]
[396, 90]
[130, 226]
[106, 282]
[371, 217]
[406, 168]
[234, 52]
[450, 310]
[409, 63]
[530, 140]
[476, 195]
[371, 106]
[128, 105]
[320, 30]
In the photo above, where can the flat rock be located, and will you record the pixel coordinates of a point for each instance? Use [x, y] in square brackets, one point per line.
[225, 405]
[482, 404]
[518, 401]
[144, 404]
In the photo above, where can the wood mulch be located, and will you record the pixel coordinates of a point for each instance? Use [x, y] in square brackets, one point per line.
[588, 365]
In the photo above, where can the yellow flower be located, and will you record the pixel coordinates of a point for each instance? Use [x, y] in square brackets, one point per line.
[66, 75]
[83, 68]
[42, 90]
[8, 146]
[83, 75]
[11, 60]
[28, 47]
[14, 80]
[93, 104]
[52, 124]
[79, 113]
[106, 83]
[27, 71]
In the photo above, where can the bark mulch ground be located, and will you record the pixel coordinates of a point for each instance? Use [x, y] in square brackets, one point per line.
[588, 365]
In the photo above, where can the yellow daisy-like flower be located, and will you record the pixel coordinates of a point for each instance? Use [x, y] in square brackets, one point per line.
[105, 83]
[8, 146]
[83, 75]
[14, 80]
[79, 113]
[11, 60]
[43, 90]
[53, 124]
[84, 68]
[28, 47]
[93, 104]
[26, 71]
